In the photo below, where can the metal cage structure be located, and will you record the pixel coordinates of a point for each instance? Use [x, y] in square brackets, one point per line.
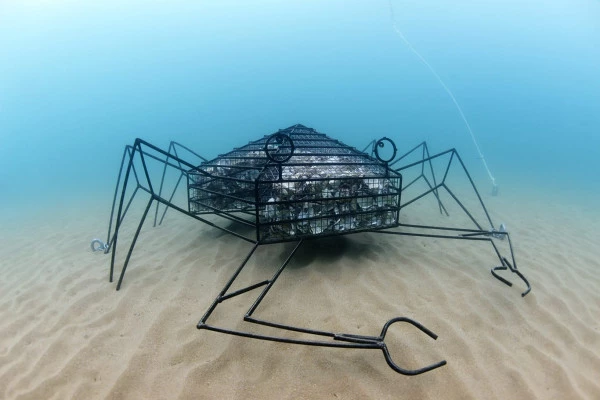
[294, 185]
[297, 184]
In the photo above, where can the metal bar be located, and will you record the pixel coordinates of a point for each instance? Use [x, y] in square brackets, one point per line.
[475, 231]
[229, 210]
[412, 182]
[426, 152]
[340, 340]
[436, 194]
[171, 198]
[475, 189]
[325, 234]
[423, 157]
[235, 166]
[332, 217]
[220, 177]
[135, 237]
[433, 235]
[138, 185]
[143, 160]
[217, 300]
[371, 143]
[462, 206]
[332, 335]
[110, 242]
[189, 193]
[228, 215]
[161, 151]
[272, 281]
[346, 151]
[298, 144]
[448, 166]
[507, 265]
[118, 224]
[242, 291]
[162, 181]
[256, 210]
[406, 154]
[154, 157]
[112, 210]
[224, 195]
[346, 345]
[422, 161]
[301, 199]
[175, 207]
[190, 150]
[367, 177]
[420, 196]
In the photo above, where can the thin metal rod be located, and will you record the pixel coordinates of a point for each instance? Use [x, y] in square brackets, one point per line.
[187, 149]
[242, 291]
[273, 279]
[112, 210]
[348, 345]
[505, 264]
[110, 242]
[398, 159]
[339, 340]
[463, 207]
[420, 196]
[143, 160]
[219, 297]
[119, 220]
[426, 155]
[474, 188]
[437, 196]
[170, 199]
[485, 239]
[453, 153]
[181, 210]
[162, 182]
[443, 153]
[135, 237]
[474, 231]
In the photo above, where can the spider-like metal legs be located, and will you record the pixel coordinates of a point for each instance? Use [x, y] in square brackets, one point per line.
[474, 235]
[425, 173]
[478, 232]
[338, 340]
[137, 172]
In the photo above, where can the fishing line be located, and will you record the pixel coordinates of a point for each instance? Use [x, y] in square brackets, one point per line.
[447, 89]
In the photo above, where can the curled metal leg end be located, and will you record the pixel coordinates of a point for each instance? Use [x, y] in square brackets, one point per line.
[507, 265]
[501, 279]
[388, 357]
[99, 245]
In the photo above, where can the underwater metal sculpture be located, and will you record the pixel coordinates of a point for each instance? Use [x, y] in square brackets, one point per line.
[295, 185]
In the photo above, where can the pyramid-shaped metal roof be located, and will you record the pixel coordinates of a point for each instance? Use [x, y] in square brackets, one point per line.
[301, 152]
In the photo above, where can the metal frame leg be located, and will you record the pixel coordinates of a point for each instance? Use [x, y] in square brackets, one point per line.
[338, 340]
[140, 153]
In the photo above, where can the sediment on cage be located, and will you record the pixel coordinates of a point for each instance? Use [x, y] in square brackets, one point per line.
[298, 183]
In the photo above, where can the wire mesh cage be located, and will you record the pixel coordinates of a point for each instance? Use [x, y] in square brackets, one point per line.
[298, 183]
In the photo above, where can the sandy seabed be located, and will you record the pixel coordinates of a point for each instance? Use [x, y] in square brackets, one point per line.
[66, 333]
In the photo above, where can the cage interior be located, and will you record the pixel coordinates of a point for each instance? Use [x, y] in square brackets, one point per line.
[298, 183]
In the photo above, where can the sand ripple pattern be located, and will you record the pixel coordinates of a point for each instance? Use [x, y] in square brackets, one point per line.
[65, 333]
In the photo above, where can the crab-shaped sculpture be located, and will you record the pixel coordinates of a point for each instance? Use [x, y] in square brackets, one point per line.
[295, 185]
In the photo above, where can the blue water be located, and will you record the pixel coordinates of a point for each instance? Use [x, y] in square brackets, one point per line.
[79, 80]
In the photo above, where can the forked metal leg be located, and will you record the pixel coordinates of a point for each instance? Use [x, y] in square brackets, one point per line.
[338, 340]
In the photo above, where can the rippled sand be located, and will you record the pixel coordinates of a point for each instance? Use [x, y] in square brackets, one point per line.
[66, 333]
